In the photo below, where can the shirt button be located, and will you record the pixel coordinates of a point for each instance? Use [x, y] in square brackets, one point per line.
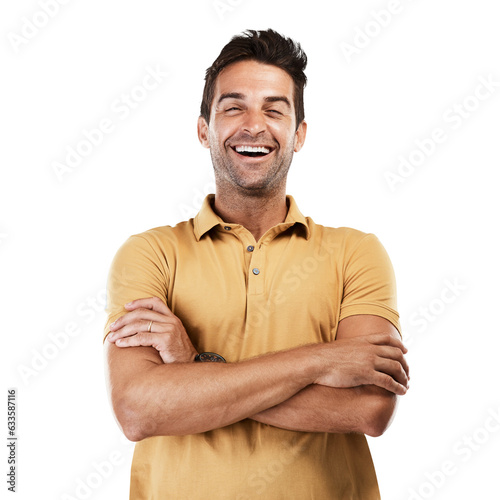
[250, 248]
[255, 271]
[227, 228]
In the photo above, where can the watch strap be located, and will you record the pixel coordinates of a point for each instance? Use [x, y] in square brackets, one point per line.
[209, 357]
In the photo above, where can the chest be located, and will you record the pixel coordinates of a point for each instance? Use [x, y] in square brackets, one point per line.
[245, 303]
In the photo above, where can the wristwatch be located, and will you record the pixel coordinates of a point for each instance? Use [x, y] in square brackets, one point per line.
[209, 356]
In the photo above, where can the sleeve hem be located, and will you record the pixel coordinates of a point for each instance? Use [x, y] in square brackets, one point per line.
[371, 308]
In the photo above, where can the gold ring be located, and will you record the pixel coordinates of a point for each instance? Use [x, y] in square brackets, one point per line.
[149, 327]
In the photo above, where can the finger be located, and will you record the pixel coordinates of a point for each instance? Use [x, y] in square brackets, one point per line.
[153, 303]
[387, 382]
[395, 354]
[141, 326]
[144, 339]
[387, 339]
[394, 369]
[138, 314]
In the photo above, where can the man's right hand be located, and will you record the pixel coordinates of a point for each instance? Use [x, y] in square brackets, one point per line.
[150, 322]
[376, 359]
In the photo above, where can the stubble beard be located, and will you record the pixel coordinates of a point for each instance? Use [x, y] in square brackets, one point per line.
[229, 177]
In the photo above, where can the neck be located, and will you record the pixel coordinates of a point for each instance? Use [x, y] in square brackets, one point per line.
[255, 213]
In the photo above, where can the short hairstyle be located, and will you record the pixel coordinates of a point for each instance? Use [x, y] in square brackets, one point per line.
[268, 47]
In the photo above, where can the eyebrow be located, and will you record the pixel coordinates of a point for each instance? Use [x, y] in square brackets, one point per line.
[279, 98]
[239, 95]
[230, 95]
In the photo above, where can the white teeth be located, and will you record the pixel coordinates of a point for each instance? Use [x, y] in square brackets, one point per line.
[250, 149]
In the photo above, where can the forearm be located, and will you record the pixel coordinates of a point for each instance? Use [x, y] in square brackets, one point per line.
[188, 398]
[366, 409]
[151, 397]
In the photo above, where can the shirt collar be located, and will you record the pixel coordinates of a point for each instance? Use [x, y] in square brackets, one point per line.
[206, 218]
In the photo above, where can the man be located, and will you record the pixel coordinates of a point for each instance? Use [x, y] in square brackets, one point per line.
[304, 316]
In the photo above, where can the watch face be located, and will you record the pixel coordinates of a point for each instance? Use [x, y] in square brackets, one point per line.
[211, 356]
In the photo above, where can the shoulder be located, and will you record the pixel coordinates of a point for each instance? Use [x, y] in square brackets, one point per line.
[164, 235]
[345, 239]
[349, 248]
[158, 242]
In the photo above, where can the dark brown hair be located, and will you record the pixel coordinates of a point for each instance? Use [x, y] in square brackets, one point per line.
[268, 47]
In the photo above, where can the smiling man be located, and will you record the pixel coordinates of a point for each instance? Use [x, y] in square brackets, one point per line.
[249, 349]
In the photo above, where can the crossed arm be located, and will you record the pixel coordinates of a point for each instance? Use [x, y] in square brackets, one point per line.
[349, 385]
[363, 408]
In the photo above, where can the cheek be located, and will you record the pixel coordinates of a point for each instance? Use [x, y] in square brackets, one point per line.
[214, 139]
[220, 133]
[283, 134]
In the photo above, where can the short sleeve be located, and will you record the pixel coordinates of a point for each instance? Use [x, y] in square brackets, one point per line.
[369, 282]
[137, 271]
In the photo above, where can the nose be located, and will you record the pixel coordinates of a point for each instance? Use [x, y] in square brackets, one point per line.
[254, 122]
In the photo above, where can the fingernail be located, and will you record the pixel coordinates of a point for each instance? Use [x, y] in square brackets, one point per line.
[128, 304]
[112, 324]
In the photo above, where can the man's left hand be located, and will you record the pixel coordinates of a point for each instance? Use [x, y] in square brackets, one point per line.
[150, 322]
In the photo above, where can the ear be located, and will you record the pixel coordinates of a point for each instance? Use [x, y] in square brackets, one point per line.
[300, 136]
[203, 132]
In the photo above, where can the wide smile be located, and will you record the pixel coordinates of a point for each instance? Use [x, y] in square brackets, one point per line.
[252, 153]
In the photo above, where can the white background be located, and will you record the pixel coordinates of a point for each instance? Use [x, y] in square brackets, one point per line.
[365, 110]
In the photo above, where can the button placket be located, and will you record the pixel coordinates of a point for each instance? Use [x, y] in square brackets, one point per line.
[256, 271]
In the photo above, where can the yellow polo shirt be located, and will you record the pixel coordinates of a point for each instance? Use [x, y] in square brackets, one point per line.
[242, 298]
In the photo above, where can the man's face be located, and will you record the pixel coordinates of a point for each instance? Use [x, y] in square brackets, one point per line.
[251, 134]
